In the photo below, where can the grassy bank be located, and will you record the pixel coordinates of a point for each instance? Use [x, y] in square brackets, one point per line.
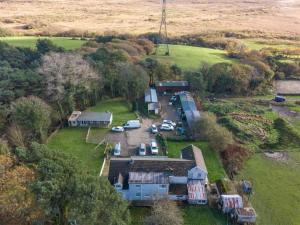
[30, 41]
[192, 58]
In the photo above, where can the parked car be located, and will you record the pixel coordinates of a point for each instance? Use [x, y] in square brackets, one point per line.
[154, 129]
[166, 127]
[153, 147]
[117, 129]
[169, 122]
[131, 124]
[117, 149]
[279, 99]
[173, 98]
[142, 149]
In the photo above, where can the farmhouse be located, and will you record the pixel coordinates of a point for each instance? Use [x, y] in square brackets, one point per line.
[171, 86]
[189, 111]
[151, 101]
[143, 179]
[90, 119]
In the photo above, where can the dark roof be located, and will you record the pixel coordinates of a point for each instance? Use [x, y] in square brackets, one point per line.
[95, 116]
[178, 189]
[150, 95]
[175, 83]
[189, 108]
[176, 167]
[192, 152]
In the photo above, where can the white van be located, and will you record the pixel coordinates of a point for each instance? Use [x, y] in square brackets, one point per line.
[131, 124]
[117, 149]
[153, 147]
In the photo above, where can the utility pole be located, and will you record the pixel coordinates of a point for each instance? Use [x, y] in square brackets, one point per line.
[163, 34]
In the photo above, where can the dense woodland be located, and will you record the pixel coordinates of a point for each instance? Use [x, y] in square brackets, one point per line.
[40, 87]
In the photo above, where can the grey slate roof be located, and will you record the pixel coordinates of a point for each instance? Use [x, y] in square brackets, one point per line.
[192, 152]
[189, 107]
[147, 178]
[151, 96]
[95, 116]
[175, 83]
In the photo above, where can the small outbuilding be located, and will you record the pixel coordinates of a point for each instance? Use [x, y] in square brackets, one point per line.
[230, 202]
[171, 86]
[151, 101]
[244, 215]
[90, 119]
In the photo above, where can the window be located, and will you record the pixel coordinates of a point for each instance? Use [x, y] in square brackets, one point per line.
[162, 186]
[138, 194]
[138, 185]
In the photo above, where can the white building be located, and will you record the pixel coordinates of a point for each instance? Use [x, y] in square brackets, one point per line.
[151, 101]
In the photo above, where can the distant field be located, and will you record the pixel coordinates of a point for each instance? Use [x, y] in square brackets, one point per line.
[259, 44]
[191, 58]
[276, 189]
[30, 42]
[140, 16]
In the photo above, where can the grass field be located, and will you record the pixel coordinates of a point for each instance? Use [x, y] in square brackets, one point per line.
[72, 140]
[30, 42]
[259, 44]
[276, 189]
[191, 58]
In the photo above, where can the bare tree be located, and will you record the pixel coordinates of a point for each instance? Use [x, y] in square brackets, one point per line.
[62, 68]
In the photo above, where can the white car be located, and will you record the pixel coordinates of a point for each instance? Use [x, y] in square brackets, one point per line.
[117, 149]
[154, 129]
[142, 149]
[169, 122]
[166, 127]
[117, 129]
[153, 147]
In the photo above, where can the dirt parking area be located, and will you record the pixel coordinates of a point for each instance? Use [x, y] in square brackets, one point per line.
[168, 111]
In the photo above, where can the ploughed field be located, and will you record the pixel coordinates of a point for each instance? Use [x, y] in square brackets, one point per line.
[140, 16]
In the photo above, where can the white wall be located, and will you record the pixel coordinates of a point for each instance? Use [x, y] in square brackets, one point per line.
[147, 191]
[197, 174]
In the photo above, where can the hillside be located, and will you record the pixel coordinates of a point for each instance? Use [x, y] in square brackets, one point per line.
[137, 16]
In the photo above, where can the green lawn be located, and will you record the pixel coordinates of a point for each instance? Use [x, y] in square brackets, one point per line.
[276, 185]
[191, 58]
[72, 140]
[30, 41]
[118, 107]
[212, 161]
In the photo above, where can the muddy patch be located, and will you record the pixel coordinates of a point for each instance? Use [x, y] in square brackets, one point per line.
[277, 156]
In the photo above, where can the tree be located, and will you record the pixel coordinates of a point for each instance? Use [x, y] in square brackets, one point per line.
[69, 80]
[164, 212]
[66, 192]
[17, 203]
[207, 128]
[32, 115]
[46, 45]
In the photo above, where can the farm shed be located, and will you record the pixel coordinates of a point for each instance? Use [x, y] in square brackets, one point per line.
[151, 101]
[244, 215]
[171, 86]
[230, 202]
[189, 109]
[90, 119]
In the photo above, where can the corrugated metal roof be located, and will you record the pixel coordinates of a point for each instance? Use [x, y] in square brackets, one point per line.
[189, 108]
[196, 190]
[231, 202]
[175, 83]
[151, 96]
[147, 178]
[95, 116]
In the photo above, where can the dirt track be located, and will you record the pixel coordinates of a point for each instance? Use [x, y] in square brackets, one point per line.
[140, 16]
